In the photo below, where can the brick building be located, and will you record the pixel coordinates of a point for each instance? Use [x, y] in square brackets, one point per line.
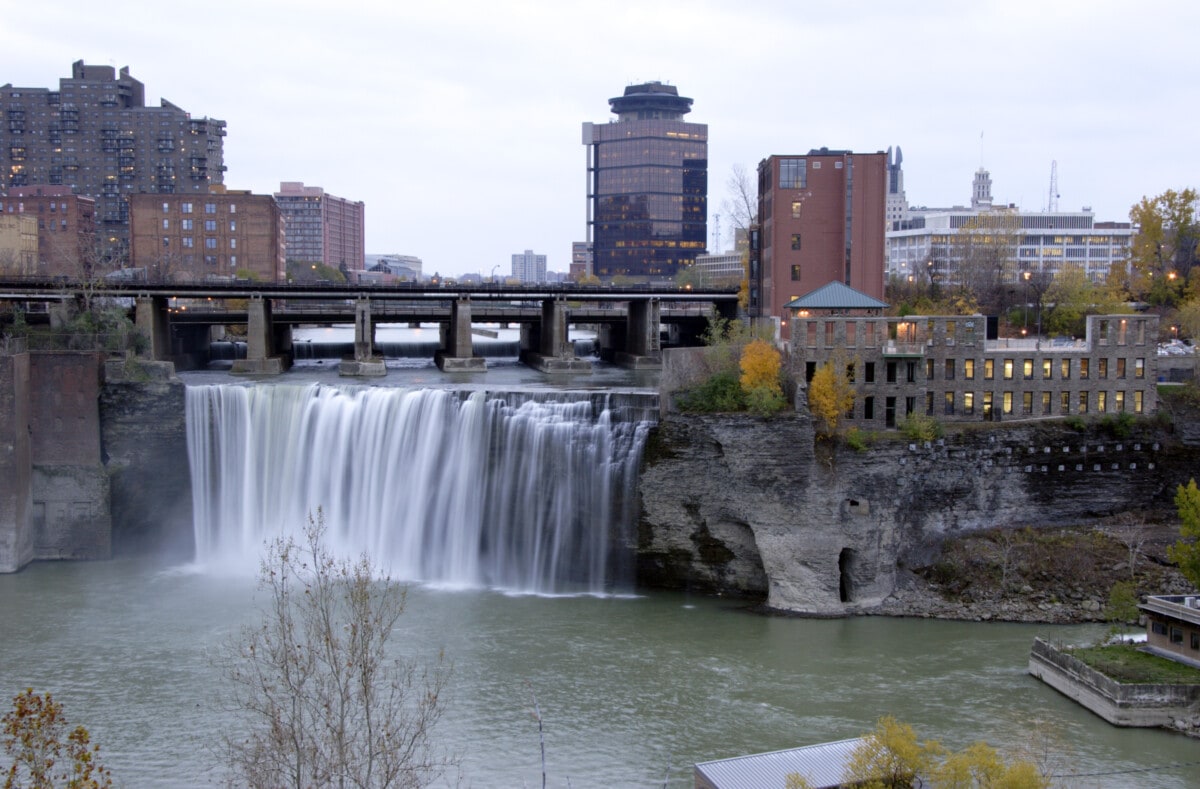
[223, 234]
[96, 136]
[322, 228]
[944, 366]
[821, 219]
[66, 228]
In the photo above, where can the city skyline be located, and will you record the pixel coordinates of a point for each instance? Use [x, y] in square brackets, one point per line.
[459, 127]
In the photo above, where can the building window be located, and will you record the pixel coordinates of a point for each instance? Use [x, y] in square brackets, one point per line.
[1083, 369]
[987, 405]
[1083, 403]
[210, 208]
[929, 369]
[949, 369]
[1064, 405]
[1139, 368]
[1027, 369]
[1176, 635]
[233, 243]
[1120, 368]
[1137, 401]
[210, 243]
[1195, 640]
[929, 404]
[1047, 404]
[186, 224]
[969, 369]
[232, 225]
[1047, 370]
[793, 174]
[233, 208]
[796, 241]
[795, 273]
[891, 372]
[950, 403]
[1119, 398]
[233, 261]
[187, 242]
[210, 225]
[185, 208]
[1008, 369]
[166, 208]
[1158, 628]
[1102, 372]
[989, 369]
[1008, 403]
[850, 372]
[166, 242]
[1101, 402]
[969, 403]
[868, 407]
[869, 373]
[811, 334]
[1065, 372]
[1027, 403]
[210, 260]
[910, 373]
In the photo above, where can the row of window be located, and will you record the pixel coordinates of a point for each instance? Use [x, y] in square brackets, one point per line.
[187, 242]
[989, 405]
[910, 331]
[210, 225]
[906, 371]
[1175, 634]
[209, 208]
[1029, 369]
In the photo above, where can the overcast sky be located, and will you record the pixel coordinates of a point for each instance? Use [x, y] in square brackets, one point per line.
[458, 124]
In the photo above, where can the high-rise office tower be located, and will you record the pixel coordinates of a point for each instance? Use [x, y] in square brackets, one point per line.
[95, 135]
[647, 185]
[529, 267]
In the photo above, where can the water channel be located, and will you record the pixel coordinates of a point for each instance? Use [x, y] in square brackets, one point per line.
[633, 689]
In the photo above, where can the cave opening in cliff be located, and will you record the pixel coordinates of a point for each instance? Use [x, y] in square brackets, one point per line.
[846, 565]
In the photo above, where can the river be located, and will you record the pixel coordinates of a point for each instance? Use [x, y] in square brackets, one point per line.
[633, 690]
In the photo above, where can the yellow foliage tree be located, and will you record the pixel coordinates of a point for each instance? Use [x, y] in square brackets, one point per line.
[760, 367]
[830, 395]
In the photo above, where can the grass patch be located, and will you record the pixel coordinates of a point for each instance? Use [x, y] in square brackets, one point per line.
[1126, 663]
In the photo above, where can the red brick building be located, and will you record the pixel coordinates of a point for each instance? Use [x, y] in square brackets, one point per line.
[66, 228]
[223, 234]
[821, 219]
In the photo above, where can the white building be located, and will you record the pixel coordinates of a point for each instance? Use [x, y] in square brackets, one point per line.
[719, 269]
[1046, 242]
[529, 267]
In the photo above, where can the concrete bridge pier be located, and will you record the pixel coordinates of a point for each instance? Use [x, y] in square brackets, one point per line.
[16, 494]
[457, 353]
[643, 347]
[152, 319]
[263, 356]
[365, 362]
[547, 347]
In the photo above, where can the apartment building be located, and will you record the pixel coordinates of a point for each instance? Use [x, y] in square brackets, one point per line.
[66, 229]
[223, 234]
[322, 228]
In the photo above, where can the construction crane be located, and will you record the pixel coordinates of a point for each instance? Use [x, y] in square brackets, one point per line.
[1052, 204]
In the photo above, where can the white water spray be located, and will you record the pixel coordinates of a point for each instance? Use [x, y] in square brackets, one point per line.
[437, 486]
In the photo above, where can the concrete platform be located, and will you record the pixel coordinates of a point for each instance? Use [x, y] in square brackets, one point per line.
[632, 361]
[556, 364]
[366, 368]
[272, 365]
[459, 364]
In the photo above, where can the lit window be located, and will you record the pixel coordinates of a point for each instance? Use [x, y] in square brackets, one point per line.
[1139, 368]
[1008, 369]
[969, 369]
[186, 208]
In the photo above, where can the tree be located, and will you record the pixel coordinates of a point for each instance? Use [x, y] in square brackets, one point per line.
[42, 758]
[1168, 229]
[892, 756]
[323, 702]
[741, 202]
[830, 396]
[760, 377]
[1186, 552]
[1070, 297]
[985, 251]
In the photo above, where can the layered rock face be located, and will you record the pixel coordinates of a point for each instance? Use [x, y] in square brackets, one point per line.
[739, 504]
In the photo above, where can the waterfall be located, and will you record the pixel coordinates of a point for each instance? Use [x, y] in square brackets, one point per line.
[523, 492]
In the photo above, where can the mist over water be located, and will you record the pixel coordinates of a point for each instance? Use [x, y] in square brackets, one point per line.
[522, 492]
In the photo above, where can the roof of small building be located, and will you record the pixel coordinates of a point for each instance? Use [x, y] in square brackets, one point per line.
[1185, 608]
[835, 296]
[822, 765]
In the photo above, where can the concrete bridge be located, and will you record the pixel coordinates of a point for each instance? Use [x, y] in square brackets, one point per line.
[177, 317]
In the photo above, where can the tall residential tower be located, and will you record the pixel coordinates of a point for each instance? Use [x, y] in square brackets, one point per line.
[96, 136]
[647, 185]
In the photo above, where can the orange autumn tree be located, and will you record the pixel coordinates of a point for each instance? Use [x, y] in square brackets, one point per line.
[830, 395]
[44, 753]
[760, 364]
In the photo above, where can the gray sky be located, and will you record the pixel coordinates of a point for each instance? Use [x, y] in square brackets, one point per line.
[458, 124]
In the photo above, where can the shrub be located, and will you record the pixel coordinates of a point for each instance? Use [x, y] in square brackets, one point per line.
[765, 401]
[918, 427]
[720, 393]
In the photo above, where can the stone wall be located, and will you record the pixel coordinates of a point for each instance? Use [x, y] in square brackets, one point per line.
[16, 523]
[71, 517]
[738, 504]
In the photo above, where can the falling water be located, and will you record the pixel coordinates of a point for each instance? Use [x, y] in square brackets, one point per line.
[512, 491]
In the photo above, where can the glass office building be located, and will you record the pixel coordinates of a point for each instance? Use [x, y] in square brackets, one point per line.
[647, 185]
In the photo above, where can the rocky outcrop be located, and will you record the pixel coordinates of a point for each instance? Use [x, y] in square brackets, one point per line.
[738, 504]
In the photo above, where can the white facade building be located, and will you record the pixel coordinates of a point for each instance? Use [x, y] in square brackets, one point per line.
[719, 269]
[529, 267]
